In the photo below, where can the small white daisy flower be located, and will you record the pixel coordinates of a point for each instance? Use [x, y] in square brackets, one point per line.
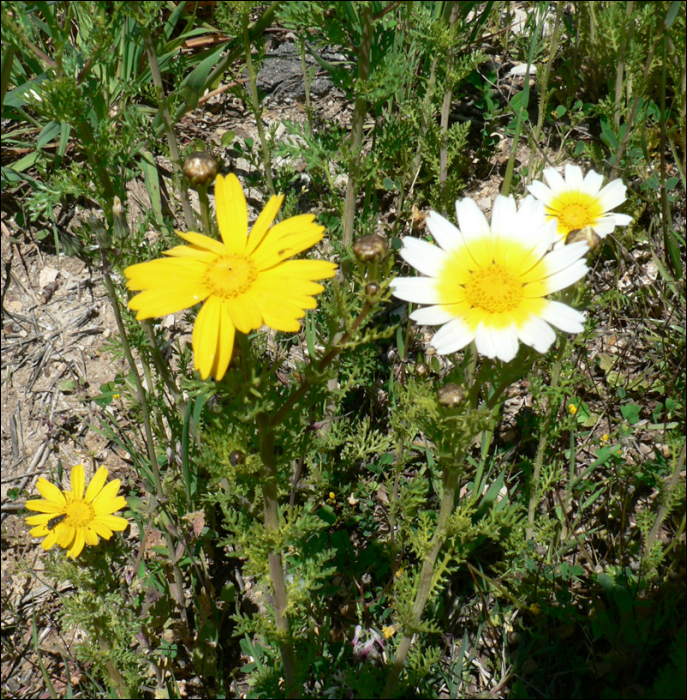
[489, 283]
[577, 202]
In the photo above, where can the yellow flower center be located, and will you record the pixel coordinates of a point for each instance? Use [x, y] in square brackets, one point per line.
[80, 513]
[230, 276]
[574, 216]
[494, 289]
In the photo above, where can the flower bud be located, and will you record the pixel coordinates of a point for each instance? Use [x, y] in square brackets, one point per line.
[200, 169]
[372, 289]
[237, 457]
[121, 228]
[584, 234]
[450, 395]
[370, 248]
[422, 370]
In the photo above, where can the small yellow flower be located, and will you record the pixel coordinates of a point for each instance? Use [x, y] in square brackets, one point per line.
[572, 408]
[605, 437]
[244, 282]
[332, 496]
[72, 520]
[389, 632]
[115, 396]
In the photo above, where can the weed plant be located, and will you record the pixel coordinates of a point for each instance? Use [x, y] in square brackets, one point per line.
[341, 511]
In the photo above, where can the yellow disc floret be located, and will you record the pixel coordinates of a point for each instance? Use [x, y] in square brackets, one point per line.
[494, 289]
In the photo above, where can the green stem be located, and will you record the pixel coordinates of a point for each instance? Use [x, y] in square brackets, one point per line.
[358, 121]
[168, 124]
[271, 505]
[270, 495]
[205, 219]
[448, 96]
[505, 189]
[451, 479]
[257, 112]
[678, 466]
[177, 585]
[333, 352]
[541, 447]
[543, 87]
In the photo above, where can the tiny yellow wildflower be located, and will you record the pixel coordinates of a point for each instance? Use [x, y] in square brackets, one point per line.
[389, 632]
[71, 519]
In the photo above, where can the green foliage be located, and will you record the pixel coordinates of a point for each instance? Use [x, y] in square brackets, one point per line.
[322, 460]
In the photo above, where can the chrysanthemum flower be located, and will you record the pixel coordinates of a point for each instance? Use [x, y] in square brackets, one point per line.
[245, 281]
[576, 201]
[70, 519]
[489, 284]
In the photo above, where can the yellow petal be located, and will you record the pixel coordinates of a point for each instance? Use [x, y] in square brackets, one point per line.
[78, 480]
[232, 212]
[161, 302]
[50, 492]
[307, 269]
[244, 313]
[262, 225]
[205, 336]
[165, 272]
[203, 242]
[286, 239]
[77, 545]
[225, 345]
[96, 484]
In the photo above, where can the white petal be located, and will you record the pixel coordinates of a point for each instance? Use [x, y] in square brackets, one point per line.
[573, 177]
[604, 225]
[483, 341]
[592, 183]
[497, 342]
[622, 219]
[561, 258]
[503, 215]
[563, 317]
[556, 182]
[613, 195]
[505, 340]
[566, 277]
[537, 334]
[425, 257]
[431, 316]
[418, 290]
[471, 222]
[443, 231]
[541, 191]
[452, 337]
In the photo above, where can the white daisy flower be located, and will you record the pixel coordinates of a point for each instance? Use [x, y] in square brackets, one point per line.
[489, 284]
[577, 202]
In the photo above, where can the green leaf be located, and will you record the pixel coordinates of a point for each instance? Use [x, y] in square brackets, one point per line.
[630, 412]
[152, 182]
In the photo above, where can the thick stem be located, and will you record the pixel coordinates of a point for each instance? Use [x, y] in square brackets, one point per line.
[451, 479]
[541, 447]
[256, 106]
[448, 96]
[177, 585]
[168, 124]
[357, 130]
[505, 188]
[271, 504]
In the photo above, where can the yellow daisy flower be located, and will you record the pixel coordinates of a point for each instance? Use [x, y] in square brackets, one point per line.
[70, 519]
[245, 281]
[489, 283]
[577, 202]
